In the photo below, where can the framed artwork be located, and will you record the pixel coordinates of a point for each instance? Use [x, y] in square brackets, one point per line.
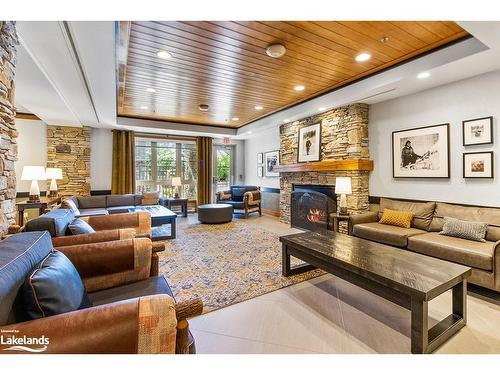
[421, 152]
[272, 160]
[478, 164]
[260, 171]
[477, 131]
[309, 143]
[260, 158]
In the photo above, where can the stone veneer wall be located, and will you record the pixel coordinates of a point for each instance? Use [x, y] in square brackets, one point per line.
[68, 148]
[344, 135]
[8, 132]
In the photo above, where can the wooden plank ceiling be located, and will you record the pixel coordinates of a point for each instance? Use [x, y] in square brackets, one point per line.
[224, 64]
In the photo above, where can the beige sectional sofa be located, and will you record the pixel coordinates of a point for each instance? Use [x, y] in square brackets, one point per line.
[423, 237]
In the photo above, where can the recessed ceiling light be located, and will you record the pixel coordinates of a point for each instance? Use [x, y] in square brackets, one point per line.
[203, 107]
[258, 107]
[286, 120]
[249, 132]
[321, 108]
[423, 75]
[149, 89]
[236, 118]
[363, 57]
[164, 55]
[144, 107]
[299, 88]
[384, 39]
[275, 50]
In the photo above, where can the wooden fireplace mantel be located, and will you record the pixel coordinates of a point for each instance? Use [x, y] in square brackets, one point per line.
[328, 166]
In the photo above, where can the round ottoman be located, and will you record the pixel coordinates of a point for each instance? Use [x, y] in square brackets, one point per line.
[215, 213]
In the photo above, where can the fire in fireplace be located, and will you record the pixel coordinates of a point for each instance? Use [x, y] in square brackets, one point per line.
[311, 206]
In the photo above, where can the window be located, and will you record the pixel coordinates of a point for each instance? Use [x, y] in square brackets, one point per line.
[157, 161]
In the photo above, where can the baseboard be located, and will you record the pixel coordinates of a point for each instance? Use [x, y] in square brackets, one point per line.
[270, 212]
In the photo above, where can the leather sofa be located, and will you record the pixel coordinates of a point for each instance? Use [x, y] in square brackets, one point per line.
[242, 197]
[130, 311]
[423, 237]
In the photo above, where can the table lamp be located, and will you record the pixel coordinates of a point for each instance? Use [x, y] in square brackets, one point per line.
[53, 174]
[176, 182]
[33, 174]
[343, 187]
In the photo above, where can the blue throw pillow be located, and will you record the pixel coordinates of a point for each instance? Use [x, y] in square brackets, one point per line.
[78, 226]
[53, 287]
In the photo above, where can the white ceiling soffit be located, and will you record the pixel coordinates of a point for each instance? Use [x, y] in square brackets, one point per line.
[52, 49]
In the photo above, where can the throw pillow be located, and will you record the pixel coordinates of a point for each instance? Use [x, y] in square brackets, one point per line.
[149, 199]
[68, 203]
[53, 287]
[78, 226]
[469, 230]
[397, 218]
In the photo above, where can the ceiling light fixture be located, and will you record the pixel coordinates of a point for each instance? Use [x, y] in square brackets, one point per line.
[164, 55]
[149, 89]
[144, 107]
[321, 108]
[249, 132]
[236, 118]
[203, 107]
[423, 75]
[258, 107]
[384, 39]
[299, 88]
[286, 120]
[363, 57]
[275, 50]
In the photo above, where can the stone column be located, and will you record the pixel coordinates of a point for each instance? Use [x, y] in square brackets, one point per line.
[8, 132]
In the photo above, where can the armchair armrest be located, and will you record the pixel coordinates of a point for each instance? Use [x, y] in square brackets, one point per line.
[141, 325]
[140, 221]
[367, 217]
[104, 265]
[101, 236]
[224, 195]
[252, 197]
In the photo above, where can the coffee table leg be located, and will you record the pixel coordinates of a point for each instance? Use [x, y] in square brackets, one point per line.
[172, 228]
[459, 298]
[185, 209]
[419, 326]
[285, 261]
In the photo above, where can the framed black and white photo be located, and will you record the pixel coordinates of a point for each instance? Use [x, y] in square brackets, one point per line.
[309, 143]
[477, 131]
[272, 160]
[478, 164]
[260, 171]
[421, 152]
[260, 158]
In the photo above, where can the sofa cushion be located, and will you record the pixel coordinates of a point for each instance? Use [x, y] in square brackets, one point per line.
[236, 204]
[19, 253]
[53, 287]
[490, 216]
[116, 200]
[237, 193]
[469, 230]
[387, 234]
[97, 201]
[71, 204]
[78, 226]
[466, 252]
[423, 211]
[120, 209]
[55, 222]
[92, 212]
[397, 218]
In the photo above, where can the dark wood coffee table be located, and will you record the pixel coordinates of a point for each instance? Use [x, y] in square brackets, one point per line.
[408, 279]
[160, 218]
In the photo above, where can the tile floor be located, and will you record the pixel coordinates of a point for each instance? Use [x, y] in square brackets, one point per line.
[329, 315]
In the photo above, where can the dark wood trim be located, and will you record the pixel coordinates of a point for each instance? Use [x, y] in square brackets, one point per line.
[478, 152]
[298, 143]
[270, 190]
[424, 127]
[328, 165]
[100, 192]
[475, 119]
[376, 200]
[267, 212]
[26, 194]
[27, 116]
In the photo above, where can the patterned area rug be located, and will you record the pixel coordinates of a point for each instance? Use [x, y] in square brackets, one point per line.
[225, 264]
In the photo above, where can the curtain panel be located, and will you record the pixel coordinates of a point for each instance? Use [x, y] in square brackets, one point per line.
[123, 169]
[205, 169]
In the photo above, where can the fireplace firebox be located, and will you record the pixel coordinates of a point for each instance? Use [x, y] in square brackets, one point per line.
[311, 206]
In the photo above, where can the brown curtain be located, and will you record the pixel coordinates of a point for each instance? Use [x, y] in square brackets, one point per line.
[123, 170]
[204, 148]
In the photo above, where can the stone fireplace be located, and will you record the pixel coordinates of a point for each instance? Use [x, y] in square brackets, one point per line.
[344, 153]
[311, 205]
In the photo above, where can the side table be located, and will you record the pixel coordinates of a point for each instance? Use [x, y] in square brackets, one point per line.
[338, 218]
[183, 202]
[43, 205]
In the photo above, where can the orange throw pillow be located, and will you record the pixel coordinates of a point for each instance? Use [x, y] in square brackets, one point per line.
[150, 199]
[397, 218]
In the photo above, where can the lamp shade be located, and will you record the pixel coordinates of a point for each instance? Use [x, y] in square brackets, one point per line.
[176, 181]
[53, 173]
[343, 185]
[31, 173]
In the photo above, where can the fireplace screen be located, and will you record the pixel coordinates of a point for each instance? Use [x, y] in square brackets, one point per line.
[311, 206]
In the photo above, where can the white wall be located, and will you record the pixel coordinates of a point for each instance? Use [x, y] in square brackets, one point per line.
[101, 152]
[472, 98]
[268, 140]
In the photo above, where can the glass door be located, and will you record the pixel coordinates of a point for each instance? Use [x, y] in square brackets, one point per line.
[223, 168]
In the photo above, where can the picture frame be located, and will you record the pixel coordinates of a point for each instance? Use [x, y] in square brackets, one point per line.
[477, 131]
[260, 158]
[422, 152]
[272, 160]
[309, 144]
[478, 164]
[260, 171]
